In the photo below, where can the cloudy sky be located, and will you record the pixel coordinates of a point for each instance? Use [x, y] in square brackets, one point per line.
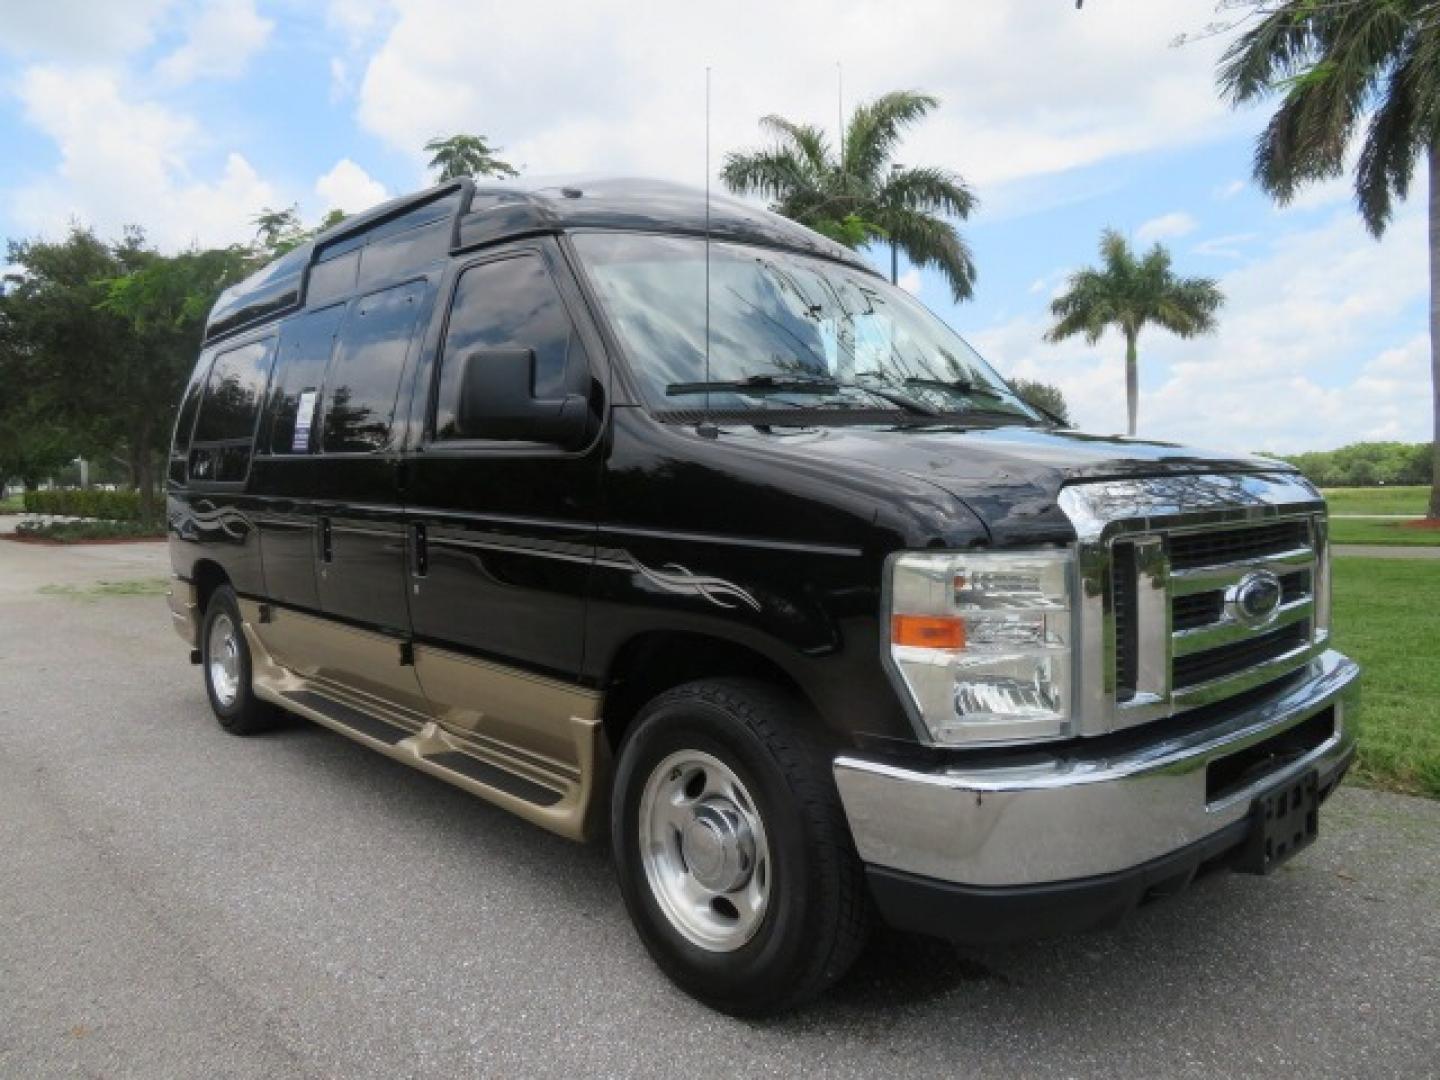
[188, 116]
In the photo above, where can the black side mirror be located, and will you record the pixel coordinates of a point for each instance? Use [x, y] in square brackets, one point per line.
[497, 401]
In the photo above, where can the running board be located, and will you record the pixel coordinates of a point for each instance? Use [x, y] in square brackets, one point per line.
[550, 792]
[429, 748]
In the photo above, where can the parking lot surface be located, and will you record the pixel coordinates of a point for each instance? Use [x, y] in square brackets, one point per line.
[179, 902]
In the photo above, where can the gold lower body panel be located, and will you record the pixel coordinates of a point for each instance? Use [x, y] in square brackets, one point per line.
[542, 734]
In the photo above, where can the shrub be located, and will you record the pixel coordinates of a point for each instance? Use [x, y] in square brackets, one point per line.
[76, 502]
[79, 532]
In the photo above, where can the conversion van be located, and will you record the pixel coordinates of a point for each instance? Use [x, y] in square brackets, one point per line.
[664, 520]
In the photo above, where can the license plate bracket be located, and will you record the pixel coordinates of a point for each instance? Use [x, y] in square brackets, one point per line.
[1284, 821]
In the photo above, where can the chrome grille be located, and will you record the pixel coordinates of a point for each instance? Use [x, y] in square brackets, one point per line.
[1156, 558]
[1187, 550]
[1202, 645]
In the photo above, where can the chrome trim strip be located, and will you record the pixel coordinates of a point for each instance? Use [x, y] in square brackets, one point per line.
[1220, 575]
[737, 541]
[1084, 813]
[1207, 693]
[358, 530]
[1152, 621]
[1226, 631]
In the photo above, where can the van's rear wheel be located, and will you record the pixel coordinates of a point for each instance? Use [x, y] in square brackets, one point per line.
[225, 660]
[732, 850]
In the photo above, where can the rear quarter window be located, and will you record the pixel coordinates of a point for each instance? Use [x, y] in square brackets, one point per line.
[225, 428]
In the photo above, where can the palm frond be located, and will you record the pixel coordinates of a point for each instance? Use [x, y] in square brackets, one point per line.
[932, 241]
[874, 132]
[932, 190]
[806, 139]
[1387, 157]
[775, 174]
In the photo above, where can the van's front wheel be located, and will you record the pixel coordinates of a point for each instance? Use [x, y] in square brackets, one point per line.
[732, 850]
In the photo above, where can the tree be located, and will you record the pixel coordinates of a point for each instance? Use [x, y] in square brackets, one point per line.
[1043, 396]
[467, 155]
[1339, 66]
[164, 304]
[860, 195]
[103, 336]
[1128, 294]
[278, 232]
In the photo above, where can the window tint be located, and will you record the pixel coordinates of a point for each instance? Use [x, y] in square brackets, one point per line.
[510, 303]
[232, 396]
[184, 423]
[365, 371]
[305, 345]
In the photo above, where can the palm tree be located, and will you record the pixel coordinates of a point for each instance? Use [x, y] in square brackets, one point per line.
[1339, 65]
[467, 155]
[1129, 293]
[858, 195]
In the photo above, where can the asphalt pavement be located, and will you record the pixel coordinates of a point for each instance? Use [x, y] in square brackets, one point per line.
[177, 902]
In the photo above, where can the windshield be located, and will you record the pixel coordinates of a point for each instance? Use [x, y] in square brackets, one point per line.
[786, 332]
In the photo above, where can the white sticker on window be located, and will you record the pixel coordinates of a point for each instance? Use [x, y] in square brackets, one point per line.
[303, 416]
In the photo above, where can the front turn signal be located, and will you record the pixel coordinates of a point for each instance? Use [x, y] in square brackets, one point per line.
[927, 631]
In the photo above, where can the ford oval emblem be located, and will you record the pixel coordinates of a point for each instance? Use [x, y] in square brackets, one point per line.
[1254, 600]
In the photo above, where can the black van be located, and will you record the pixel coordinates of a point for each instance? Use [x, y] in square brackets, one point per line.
[633, 511]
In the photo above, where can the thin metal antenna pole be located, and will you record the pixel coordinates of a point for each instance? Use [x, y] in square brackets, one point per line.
[707, 240]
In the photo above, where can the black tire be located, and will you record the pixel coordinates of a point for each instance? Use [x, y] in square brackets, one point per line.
[815, 918]
[239, 712]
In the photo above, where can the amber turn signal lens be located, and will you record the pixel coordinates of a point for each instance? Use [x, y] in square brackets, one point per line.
[927, 631]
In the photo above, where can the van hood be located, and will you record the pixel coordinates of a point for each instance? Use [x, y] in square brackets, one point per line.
[1010, 477]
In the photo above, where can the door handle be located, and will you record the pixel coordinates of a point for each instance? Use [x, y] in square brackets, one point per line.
[419, 550]
[327, 547]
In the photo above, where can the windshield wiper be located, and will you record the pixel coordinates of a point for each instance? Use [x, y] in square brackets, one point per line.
[960, 386]
[763, 384]
[817, 384]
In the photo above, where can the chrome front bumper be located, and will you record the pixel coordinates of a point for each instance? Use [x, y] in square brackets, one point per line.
[1087, 812]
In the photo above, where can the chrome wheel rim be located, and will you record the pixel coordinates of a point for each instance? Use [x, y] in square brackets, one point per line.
[224, 660]
[703, 846]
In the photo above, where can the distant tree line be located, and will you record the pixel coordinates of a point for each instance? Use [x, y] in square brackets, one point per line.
[1367, 464]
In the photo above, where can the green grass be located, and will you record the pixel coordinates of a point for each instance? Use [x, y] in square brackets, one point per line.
[13, 504]
[1387, 616]
[1378, 500]
[133, 587]
[1358, 531]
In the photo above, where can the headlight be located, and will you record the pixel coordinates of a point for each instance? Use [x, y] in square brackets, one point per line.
[981, 643]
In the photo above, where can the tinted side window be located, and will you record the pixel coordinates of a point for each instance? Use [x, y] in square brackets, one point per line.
[305, 345]
[232, 396]
[225, 428]
[184, 423]
[510, 303]
[365, 371]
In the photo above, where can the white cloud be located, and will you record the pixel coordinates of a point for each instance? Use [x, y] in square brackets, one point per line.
[350, 188]
[221, 37]
[126, 162]
[357, 19]
[80, 30]
[1166, 227]
[624, 85]
[341, 84]
[1307, 354]
[1230, 246]
[1230, 190]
